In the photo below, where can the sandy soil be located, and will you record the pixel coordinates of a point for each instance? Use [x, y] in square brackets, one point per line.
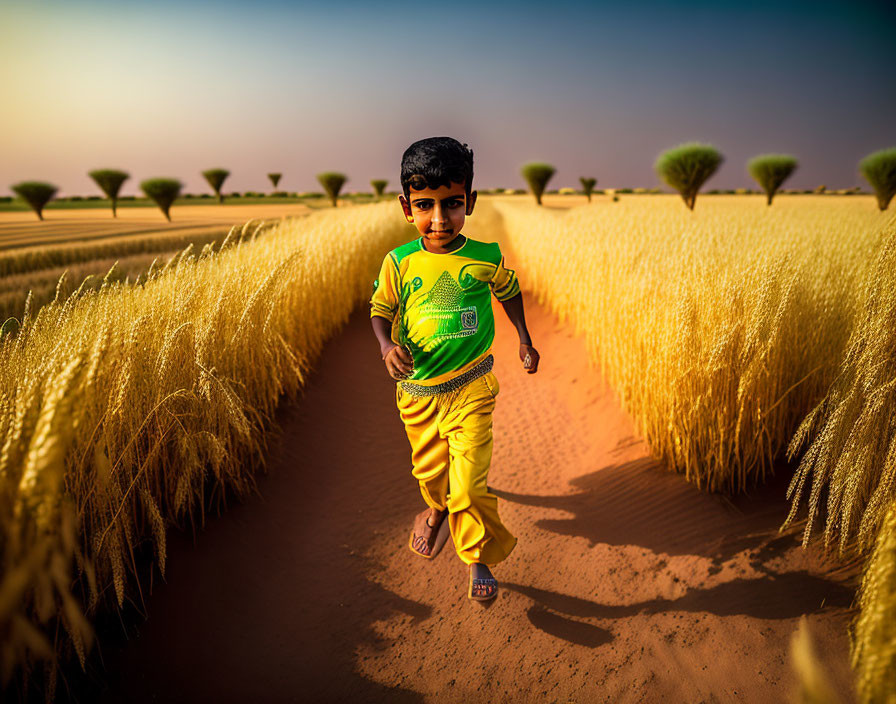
[20, 229]
[627, 584]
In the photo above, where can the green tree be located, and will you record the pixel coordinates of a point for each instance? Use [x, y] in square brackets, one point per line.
[36, 194]
[537, 175]
[332, 181]
[588, 186]
[162, 191]
[687, 167]
[770, 171]
[109, 181]
[216, 178]
[275, 179]
[379, 186]
[879, 169]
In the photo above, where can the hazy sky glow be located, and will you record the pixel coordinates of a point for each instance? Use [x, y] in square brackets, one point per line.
[170, 89]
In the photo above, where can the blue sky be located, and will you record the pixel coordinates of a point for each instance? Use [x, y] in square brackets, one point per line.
[597, 89]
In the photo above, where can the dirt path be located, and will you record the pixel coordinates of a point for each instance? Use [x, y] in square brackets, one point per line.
[627, 584]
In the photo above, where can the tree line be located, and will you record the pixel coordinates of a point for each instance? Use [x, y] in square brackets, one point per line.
[164, 191]
[688, 166]
[685, 168]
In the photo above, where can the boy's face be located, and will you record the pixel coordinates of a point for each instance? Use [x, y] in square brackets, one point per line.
[438, 213]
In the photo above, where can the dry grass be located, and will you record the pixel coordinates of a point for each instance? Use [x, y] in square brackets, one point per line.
[874, 639]
[42, 285]
[852, 457]
[116, 405]
[719, 328]
[853, 430]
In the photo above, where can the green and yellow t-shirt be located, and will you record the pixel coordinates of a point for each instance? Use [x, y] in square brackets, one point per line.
[440, 304]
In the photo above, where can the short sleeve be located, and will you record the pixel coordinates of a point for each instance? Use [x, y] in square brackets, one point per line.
[504, 282]
[384, 301]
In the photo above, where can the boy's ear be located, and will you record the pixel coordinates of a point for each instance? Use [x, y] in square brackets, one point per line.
[471, 202]
[406, 207]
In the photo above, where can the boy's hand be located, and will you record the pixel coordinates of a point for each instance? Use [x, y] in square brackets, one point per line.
[399, 362]
[529, 357]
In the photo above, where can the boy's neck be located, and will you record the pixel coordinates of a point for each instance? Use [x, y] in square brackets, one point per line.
[454, 244]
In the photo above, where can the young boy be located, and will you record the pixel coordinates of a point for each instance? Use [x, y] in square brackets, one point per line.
[431, 312]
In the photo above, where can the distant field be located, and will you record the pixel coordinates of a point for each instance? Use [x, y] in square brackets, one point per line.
[84, 242]
[23, 229]
[318, 201]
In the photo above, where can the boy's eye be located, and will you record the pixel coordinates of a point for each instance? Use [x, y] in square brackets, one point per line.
[427, 204]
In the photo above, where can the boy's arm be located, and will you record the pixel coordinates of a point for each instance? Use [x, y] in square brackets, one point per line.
[506, 288]
[399, 362]
[383, 309]
[382, 328]
[528, 354]
[514, 309]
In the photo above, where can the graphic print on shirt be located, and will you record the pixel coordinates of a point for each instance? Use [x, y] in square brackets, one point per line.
[443, 313]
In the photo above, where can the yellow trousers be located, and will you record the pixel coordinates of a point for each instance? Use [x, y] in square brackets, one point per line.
[451, 450]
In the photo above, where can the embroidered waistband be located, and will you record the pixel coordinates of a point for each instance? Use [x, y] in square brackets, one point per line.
[484, 367]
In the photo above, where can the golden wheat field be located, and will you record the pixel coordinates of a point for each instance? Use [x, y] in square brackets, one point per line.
[731, 333]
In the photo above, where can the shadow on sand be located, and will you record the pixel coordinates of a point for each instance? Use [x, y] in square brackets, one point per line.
[640, 503]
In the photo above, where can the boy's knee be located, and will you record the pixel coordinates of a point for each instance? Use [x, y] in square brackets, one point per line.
[470, 439]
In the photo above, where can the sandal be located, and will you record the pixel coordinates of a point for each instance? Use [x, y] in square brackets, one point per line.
[475, 569]
[427, 536]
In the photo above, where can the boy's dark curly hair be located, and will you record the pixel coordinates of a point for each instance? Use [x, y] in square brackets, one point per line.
[435, 162]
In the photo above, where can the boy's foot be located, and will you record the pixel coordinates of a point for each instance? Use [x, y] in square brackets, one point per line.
[483, 585]
[426, 531]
